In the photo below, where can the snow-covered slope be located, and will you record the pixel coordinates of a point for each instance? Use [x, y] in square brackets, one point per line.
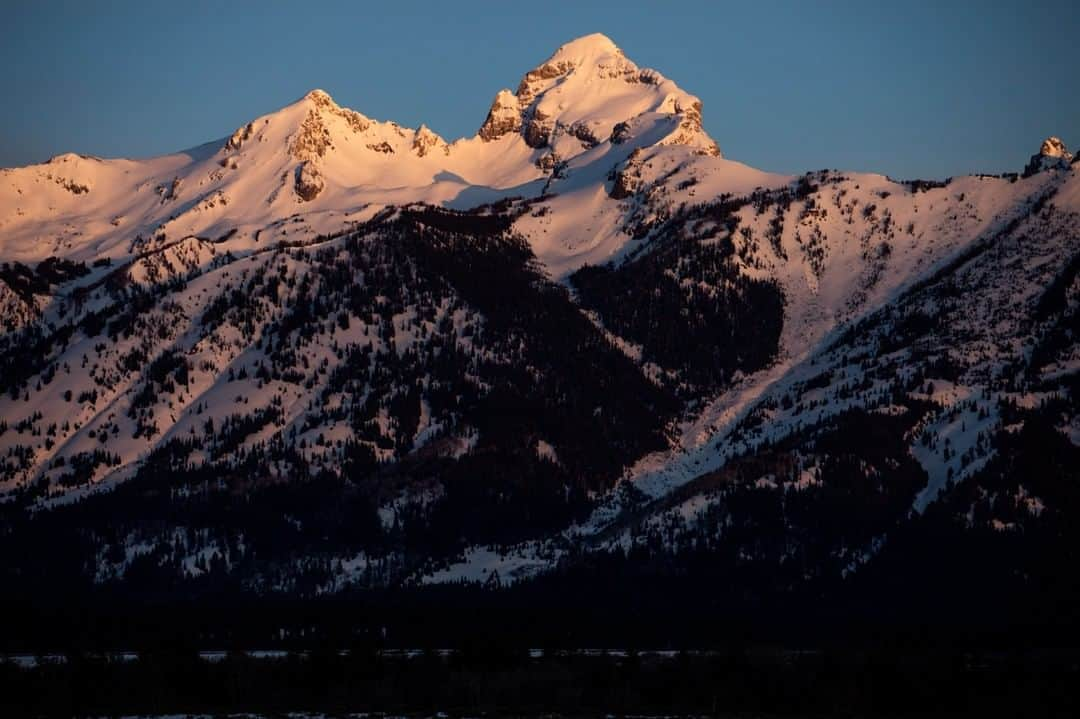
[894, 292]
[325, 163]
[566, 329]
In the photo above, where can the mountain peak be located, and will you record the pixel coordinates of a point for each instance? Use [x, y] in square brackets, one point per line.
[1054, 147]
[587, 47]
[320, 97]
[589, 56]
[585, 90]
[1052, 154]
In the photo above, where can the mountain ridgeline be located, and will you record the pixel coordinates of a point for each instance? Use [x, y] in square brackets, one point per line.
[578, 352]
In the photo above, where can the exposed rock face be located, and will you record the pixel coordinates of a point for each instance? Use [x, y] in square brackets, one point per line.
[628, 178]
[625, 186]
[309, 182]
[75, 188]
[690, 127]
[383, 147]
[548, 162]
[584, 133]
[620, 133]
[242, 135]
[312, 140]
[1052, 155]
[1054, 147]
[170, 192]
[503, 118]
[530, 85]
[538, 129]
[426, 141]
[323, 102]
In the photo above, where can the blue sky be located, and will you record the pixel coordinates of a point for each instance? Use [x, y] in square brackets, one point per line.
[911, 89]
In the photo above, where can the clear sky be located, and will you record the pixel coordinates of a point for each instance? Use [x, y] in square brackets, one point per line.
[911, 89]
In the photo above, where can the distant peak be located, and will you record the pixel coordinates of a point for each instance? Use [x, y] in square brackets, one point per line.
[586, 90]
[425, 140]
[321, 98]
[323, 102]
[1052, 155]
[587, 46]
[1054, 147]
[66, 157]
[596, 52]
[310, 121]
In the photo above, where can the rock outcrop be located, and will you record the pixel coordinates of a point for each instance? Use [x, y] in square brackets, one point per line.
[503, 118]
[425, 141]
[309, 182]
[238, 138]
[1051, 155]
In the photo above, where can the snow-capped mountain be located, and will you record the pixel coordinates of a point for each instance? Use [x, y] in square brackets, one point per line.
[581, 112]
[330, 351]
